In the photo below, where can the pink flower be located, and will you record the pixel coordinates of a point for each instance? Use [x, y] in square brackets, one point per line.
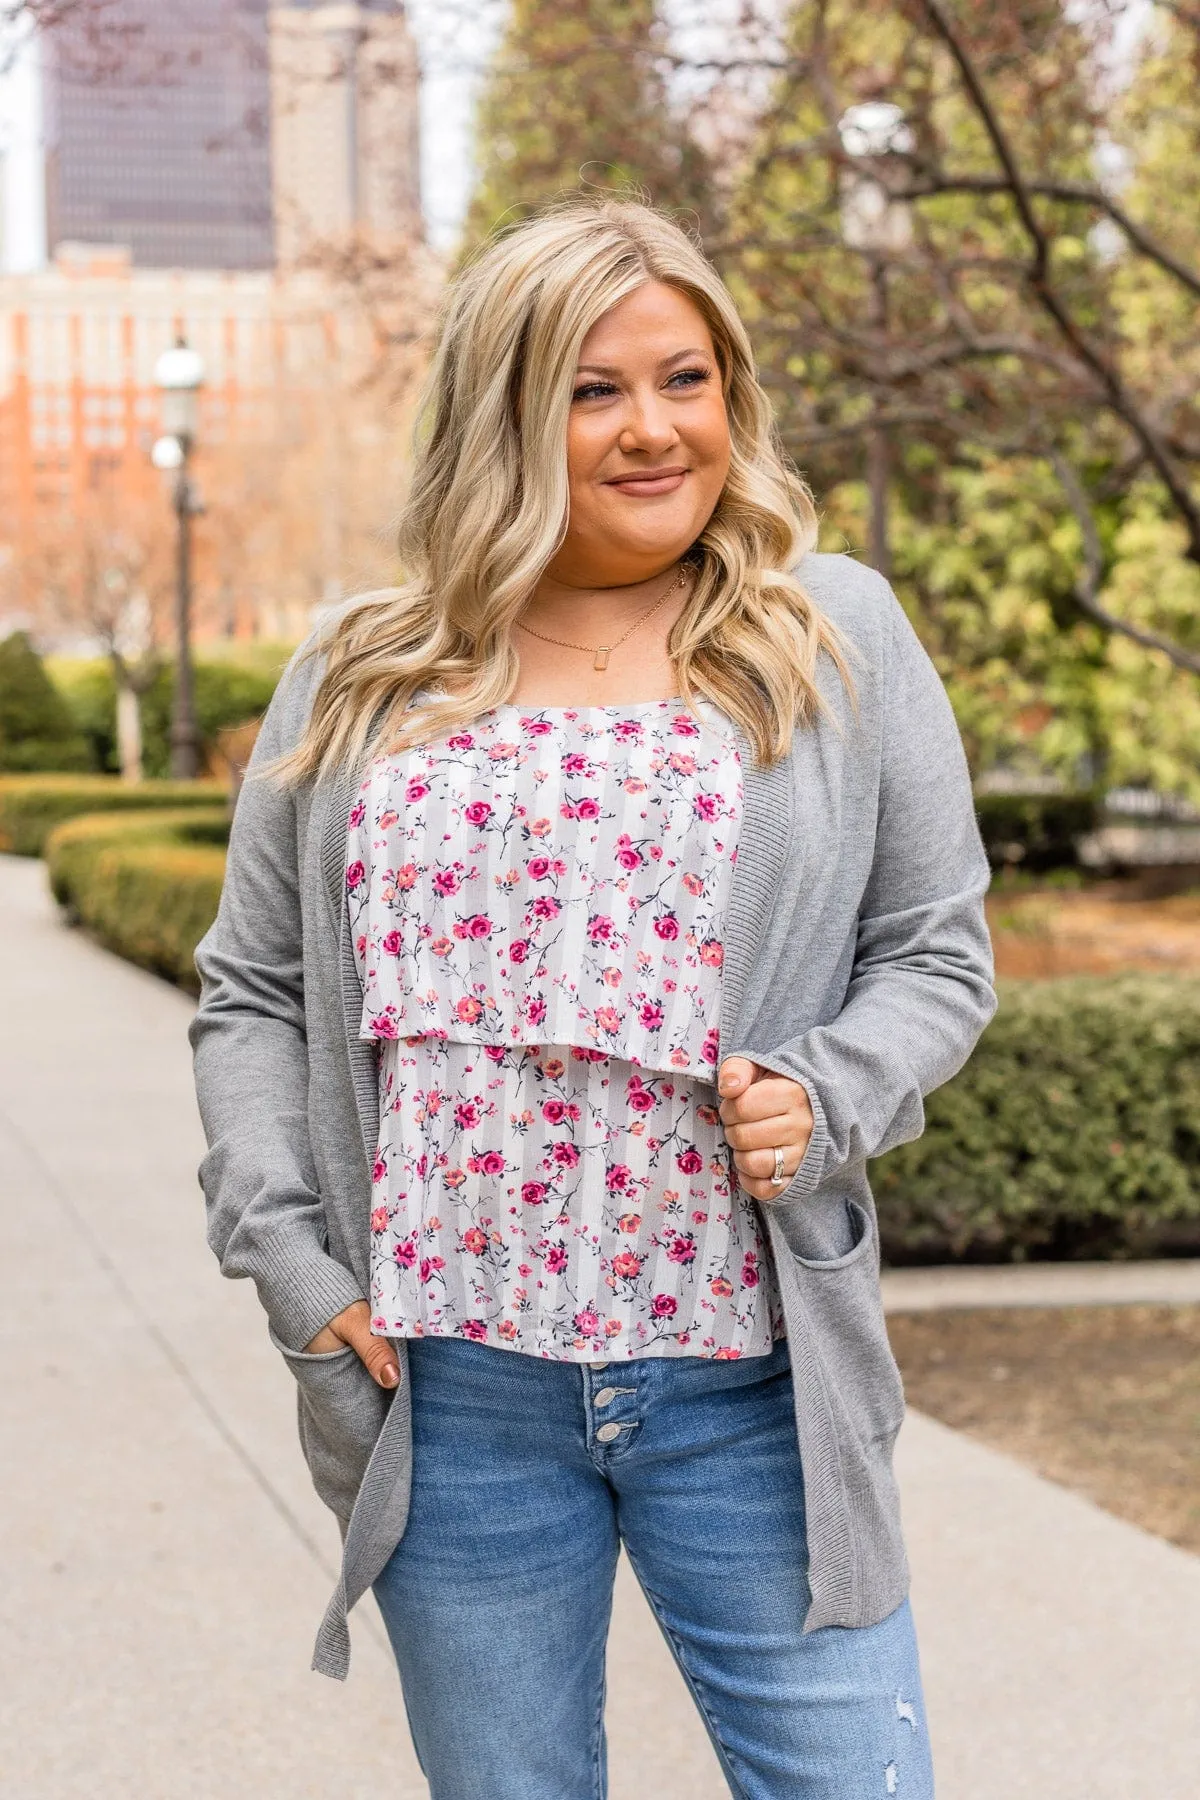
[574, 763]
[538, 867]
[507, 1329]
[683, 725]
[629, 858]
[554, 1111]
[407, 876]
[442, 946]
[475, 1329]
[708, 1049]
[750, 1271]
[629, 1223]
[651, 1014]
[546, 907]
[664, 1306]
[616, 1177]
[566, 1155]
[383, 1027]
[600, 928]
[379, 1217]
[693, 884]
[468, 1010]
[474, 1241]
[492, 1163]
[535, 1010]
[518, 950]
[536, 727]
[446, 881]
[405, 1253]
[712, 953]
[682, 1248]
[721, 1286]
[726, 1354]
[690, 1161]
[667, 926]
[706, 806]
[627, 1265]
[479, 925]
[612, 1327]
[416, 790]
[556, 1259]
[391, 943]
[494, 1052]
[533, 1193]
[462, 740]
[466, 1114]
[354, 875]
[588, 809]
[379, 1170]
[608, 1018]
[358, 813]
[640, 1099]
[478, 812]
[587, 1321]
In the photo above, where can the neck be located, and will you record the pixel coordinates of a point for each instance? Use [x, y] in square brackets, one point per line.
[596, 607]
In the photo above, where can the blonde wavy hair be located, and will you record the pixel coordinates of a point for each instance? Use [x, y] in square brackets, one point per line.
[488, 503]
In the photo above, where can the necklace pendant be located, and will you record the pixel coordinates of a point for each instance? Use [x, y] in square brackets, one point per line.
[601, 661]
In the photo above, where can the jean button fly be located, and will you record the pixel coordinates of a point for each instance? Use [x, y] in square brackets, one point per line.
[608, 1434]
[597, 1365]
[605, 1397]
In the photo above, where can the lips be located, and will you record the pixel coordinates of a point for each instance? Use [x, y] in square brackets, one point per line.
[648, 481]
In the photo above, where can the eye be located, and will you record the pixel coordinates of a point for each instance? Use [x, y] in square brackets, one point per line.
[687, 378]
[593, 390]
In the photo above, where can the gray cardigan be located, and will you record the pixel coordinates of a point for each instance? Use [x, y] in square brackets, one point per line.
[857, 961]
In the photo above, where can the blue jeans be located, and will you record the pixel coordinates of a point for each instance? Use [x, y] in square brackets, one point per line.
[528, 1475]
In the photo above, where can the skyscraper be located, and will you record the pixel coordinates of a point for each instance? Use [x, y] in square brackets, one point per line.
[344, 95]
[158, 132]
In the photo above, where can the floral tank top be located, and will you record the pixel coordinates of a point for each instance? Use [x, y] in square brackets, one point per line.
[537, 906]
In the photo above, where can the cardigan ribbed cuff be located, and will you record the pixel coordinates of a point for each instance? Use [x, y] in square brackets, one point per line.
[302, 1291]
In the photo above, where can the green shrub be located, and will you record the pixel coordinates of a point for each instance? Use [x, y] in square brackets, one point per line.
[1074, 1131]
[37, 730]
[32, 805]
[227, 693]
[145, 884]
[1036, 831]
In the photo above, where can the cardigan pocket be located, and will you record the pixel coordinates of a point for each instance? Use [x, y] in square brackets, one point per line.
[834, 1274]
[340, 1411]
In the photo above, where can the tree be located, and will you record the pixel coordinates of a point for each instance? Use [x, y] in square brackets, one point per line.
[576, 96]
[36, 729]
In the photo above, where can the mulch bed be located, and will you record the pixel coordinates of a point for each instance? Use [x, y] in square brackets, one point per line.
[1104, 1399]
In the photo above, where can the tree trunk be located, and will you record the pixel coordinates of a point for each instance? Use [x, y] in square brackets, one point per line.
[129, 733]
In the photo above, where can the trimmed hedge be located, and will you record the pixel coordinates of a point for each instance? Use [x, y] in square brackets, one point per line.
[37, 730]
[32, 805]
[227, 693]
[146, 885]
[1074, 1131]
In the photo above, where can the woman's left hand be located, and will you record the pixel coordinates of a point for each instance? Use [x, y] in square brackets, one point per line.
[760, 1110]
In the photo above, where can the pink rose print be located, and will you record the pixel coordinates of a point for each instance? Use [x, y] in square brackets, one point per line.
[358, 813]
[354, 876]
[712, 953]
[379, 1169]
[651, 1014]
[535, 1010]
[627, 729]
[627, 856]
[534, 1193]
[667, 927]
[479, 926]
[706, 807]
[629, 1223]
[600, 928]
[612, 1328]
[405, 1252]
[494, 1052]
[684, 725]
[462, 740]
[690, 1161]
[379, 1216]
[574, 763]
[556, 1259]
[446, 881]
[546, 907]
[566, 1155]
[507, 1329]
[383, 1026]
[721, 1287]
[475, 1329]
[664, 1306]
[407, 876]
[708, 1049]
[587, 1321]
[536, 727]
[491, 1163]
[682, 1248]
[518, 950]
[727, 1353]
[466, 1114]
[416, 790]
[750, 1270]
[474, 1241]
[430, 1266]
[616, 1177]
[539, 867]
[588, 809]
[608, 1018]
[478, 812]
[391, 943]
[468, 1009]
[640, 1098]
[627, 1265]
[693, 884]
[554, 1111]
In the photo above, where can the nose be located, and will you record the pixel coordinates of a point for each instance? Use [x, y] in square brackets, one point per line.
[647, 425]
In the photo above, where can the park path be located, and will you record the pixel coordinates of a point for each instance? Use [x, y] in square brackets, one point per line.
[164, 1562]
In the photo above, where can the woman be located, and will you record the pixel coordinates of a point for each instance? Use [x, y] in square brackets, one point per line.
[605, 897]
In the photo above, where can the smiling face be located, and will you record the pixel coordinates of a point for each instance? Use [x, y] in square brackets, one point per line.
[647, 441]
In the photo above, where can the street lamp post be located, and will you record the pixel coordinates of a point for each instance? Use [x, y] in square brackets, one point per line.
[875, 223]
[179, 376]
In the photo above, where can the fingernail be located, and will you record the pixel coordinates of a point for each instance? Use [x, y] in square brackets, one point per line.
[390, 1377]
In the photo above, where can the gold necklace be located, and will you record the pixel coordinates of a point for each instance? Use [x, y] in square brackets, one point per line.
[602, 652]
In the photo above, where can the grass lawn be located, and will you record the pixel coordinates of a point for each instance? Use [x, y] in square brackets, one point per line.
[1104, 1399]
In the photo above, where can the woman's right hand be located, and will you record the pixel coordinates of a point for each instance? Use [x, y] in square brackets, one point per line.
[353, 1326]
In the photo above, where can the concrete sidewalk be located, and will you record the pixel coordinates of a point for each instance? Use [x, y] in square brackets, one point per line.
[164, 1562]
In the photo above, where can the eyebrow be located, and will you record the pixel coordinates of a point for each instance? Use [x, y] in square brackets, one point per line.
[607, 368]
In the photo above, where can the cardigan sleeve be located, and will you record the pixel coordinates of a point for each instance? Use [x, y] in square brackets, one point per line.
[921, 988]
[266, 1219]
